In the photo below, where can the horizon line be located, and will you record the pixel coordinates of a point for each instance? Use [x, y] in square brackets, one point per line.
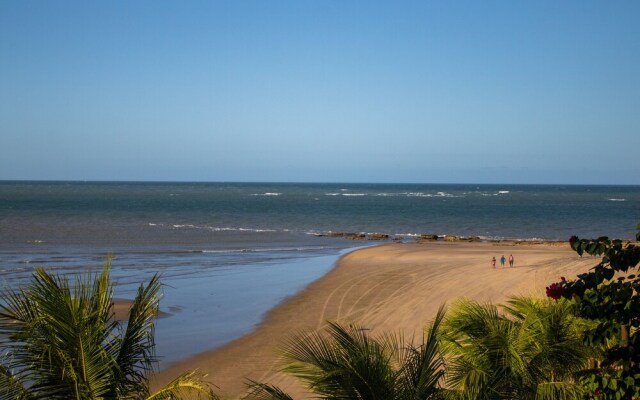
[303, 182]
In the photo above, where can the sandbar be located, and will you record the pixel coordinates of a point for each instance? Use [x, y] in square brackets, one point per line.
[394, 287]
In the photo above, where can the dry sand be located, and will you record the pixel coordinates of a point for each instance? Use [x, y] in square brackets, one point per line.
[389, 288]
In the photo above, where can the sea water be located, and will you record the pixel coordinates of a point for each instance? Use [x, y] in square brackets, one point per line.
[228, 252]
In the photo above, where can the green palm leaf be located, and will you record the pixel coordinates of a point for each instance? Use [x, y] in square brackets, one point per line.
[261, 391]
[422, 367]
[531, 350]
[60, 341]
[345, 362]
[190, 383]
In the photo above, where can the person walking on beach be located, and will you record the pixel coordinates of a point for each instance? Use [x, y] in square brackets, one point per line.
[493, 262]
[511, 260]
[502, 260]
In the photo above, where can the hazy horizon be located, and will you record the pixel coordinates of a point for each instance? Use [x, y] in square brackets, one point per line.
[387, 92]
[312, 182]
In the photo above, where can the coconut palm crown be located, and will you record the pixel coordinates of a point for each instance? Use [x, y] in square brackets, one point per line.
[531, 350]
[346, 362]
[62, 341]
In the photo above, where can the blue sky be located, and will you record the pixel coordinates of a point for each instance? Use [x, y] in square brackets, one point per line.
[321, 91]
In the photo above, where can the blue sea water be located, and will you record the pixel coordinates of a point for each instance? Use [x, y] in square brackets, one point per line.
[249, 245]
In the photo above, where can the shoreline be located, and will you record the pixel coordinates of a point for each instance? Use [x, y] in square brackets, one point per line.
[388, 288]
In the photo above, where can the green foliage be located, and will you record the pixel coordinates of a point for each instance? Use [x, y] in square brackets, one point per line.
[348, 363]
[62, 341]
[530, 350]
[262, 391]
[609, 294]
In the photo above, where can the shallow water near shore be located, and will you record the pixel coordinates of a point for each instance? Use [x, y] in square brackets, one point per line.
[201, 316]
[208, 298]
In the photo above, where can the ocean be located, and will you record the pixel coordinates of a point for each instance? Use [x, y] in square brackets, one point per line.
[229, 252]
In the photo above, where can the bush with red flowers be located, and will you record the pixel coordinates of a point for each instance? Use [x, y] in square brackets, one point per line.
[556, 289]
[609, 294]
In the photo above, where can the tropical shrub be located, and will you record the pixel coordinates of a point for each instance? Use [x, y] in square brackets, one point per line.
[62, 341]
[608, 294]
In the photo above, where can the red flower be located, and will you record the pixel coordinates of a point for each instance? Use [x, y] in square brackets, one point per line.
[556, 290]
[573, 239]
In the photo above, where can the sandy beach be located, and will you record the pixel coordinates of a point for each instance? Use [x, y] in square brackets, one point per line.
[388, 288]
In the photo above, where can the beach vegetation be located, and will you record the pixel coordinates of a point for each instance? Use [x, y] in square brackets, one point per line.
[609, 295]
[526, 349]
[61, 340]
[347, 362]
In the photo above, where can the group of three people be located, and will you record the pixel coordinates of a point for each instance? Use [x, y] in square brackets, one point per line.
[502, 261]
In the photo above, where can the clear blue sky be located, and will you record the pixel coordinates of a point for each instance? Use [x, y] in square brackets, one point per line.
[338, 91]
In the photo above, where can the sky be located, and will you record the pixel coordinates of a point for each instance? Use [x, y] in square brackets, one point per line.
[321, 91]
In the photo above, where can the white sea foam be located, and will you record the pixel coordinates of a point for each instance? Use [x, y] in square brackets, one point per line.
[332, 194]
[416, 194]
[503, 191]
[223, 228]
[408, 234]
[236, 229]
[266, 194]
[354, 194]
[617, 199]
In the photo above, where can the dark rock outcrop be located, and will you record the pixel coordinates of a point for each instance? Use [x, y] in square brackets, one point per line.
[378, 236]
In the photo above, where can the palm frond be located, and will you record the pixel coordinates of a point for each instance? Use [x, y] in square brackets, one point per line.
[348, 363]
[192, 383]
[135, 351]
[341, 363]
[11, 388]
[423, 366]
[559, 390]
[262, 391]
[65, 338]
[532, 346]
[60, 341]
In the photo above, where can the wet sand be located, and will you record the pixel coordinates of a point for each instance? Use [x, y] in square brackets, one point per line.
[389, 288]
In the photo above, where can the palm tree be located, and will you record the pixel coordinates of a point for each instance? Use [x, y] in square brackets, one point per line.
[63, 342]
[347, 363]
[533, 350]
